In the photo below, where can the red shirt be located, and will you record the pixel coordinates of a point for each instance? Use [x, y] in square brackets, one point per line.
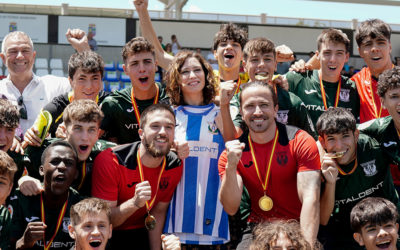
[116, 173]
[364, 82]
[296, 151]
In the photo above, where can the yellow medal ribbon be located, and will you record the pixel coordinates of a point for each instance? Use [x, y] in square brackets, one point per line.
[149, 206]
[323, 94]
[134, 105]
[59, 220]
[265, 183]
[239, 82]
[351, 171]
[83, 175]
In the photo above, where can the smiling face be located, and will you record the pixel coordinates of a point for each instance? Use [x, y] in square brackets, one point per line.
[158, 133]
[82, 136]
[59, 169]
[229, 54]
[332, 57]
[92, 232]
[345, 142]
[391, 101]
[260, 65]
[192, 77]
[376, 54]
[18, 56]
[86, 85]
[141, 68]
[378, 236]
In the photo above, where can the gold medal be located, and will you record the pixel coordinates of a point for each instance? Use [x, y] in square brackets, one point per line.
[150, 222]
[265, 203]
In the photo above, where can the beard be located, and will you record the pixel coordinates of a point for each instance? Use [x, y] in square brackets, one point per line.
[153, 151]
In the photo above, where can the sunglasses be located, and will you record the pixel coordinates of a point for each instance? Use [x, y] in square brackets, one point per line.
[22, 111]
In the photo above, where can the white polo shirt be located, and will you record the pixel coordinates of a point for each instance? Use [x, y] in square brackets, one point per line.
[39, 92]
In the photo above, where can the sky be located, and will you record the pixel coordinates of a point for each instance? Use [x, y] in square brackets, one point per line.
[282, 8]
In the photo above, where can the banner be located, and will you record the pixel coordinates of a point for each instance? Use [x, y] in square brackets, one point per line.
[34, 25]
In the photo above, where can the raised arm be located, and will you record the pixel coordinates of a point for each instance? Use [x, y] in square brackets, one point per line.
[163, 58]
[224, 119]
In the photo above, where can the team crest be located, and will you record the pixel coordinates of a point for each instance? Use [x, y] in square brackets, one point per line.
[344, 95]
[10, 210]
[282, 116]
[164, 183]
[282, 158]
[212, 128]
[65, 224]
[369, 168]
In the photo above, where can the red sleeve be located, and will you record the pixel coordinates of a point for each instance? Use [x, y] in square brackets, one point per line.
[306, 152]
[222, 164]
[105, 176]
[176, 176]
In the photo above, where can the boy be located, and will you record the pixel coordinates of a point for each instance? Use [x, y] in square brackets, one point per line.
[374, 222]
[354, 167]
[7, 171]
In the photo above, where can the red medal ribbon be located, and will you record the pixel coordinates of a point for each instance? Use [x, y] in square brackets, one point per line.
[149, 206]
[265, 183]
[59, 221]
[134, 105]
[83, 175]
[351, 171]
[323, 94]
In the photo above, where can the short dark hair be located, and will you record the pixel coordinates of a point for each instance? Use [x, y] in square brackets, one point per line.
[230, 31]
[7, 166]
[372, 28]
[372, 210]
[173, 76]
[259, 84]
[83, 110]
[135, 46]
[58, 143]
[335, 121]
[9, 115]
[335, 36]
[258, 45]
[153, 108]
[389, 79]
[89, 206]
[88, 61]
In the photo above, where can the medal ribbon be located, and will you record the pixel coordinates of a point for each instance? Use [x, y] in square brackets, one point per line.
[239, 81]
[351, 171]
[377, 115]
[59, 220]
[323, 94]
[265, 183]
[134, 105]
[149, 206]
[83, 175]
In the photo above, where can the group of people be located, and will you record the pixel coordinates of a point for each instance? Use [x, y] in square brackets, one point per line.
[207, 159]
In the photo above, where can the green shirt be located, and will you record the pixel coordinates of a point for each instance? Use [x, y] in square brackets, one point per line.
[371, 178]
[307, 87]
[119, 116]
[292, 111]
[5, 223]
[22, 162]
[35, 153]
[26, 209]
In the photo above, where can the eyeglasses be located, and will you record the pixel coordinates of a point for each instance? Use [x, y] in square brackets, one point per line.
[22, 111]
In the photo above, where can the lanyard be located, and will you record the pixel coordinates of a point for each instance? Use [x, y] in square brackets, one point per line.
[323, 94]
[135, 107]
[83, 175]
[351, 171]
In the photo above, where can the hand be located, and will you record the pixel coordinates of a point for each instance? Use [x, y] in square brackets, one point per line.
[142, 194]
[34, 231]
[299, 66]
[78, 39]
[182, 149]
[329, 169]
[141, 5]
[32, 138]
[170, 242]
[281, 81]
[17, 147]
[61, 131]
[234, 151]
[284, 54]
[226, 91]
[29, 186]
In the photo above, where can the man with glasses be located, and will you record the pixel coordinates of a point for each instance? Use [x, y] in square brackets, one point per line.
[22, 87]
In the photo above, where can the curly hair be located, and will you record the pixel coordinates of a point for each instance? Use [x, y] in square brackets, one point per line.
[230, 31]
[9, 115]
[335, 36]
[335, 121]
[372, 28]
[135, 46]
[389, 79]
[267, 233]
[173, 76]
[88, 61]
